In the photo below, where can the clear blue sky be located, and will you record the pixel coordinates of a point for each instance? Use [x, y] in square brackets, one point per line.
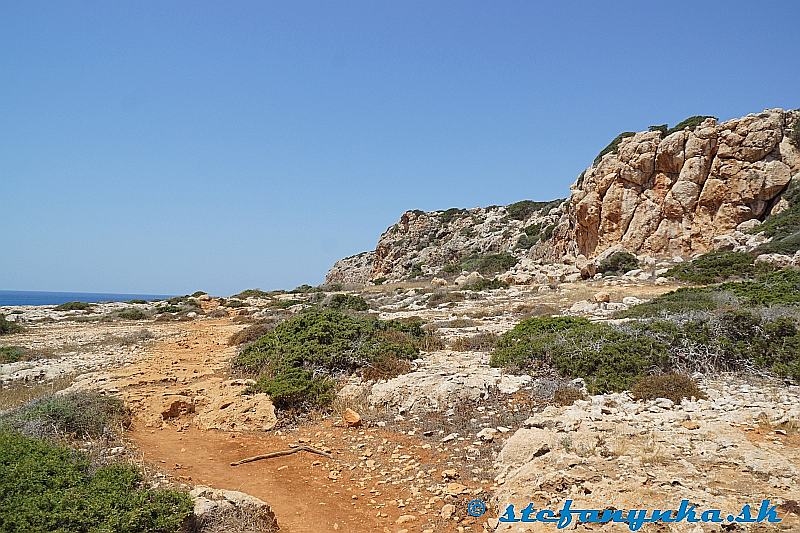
[166, 147]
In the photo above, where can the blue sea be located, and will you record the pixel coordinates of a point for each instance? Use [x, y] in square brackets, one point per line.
[55, 298]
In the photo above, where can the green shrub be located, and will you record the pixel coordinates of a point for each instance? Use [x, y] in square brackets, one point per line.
[489, 264]
[486, 285]
[607, 358]
[451, 214]
[233, 303]
[714, 267]
[379, 281]
[46, 487]
[618, 263]
[73, 306]
[198, 294]
[137, 301]
[297, 362]
[251, 333]
[768, 288]
[416, 271]
[691, 123]
[613, 146]
[663, 128]
[7, 327]
[525, 208]
[81, 414]
[679, 301]
[347, 301]
[673, 386]
[442, 297]
[11, 354]
[252, 293]
[132, 314]
[304, 288]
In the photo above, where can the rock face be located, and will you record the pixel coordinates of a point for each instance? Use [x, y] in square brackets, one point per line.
[673, 195]
[658, 195]
[422, 243]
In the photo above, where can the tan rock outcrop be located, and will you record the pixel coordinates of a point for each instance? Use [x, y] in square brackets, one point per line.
[672, 196]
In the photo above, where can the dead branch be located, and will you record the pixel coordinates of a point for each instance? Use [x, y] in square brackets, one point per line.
[281, 453]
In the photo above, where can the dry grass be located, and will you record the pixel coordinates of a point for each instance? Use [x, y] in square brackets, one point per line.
[19, 393]
[482, 342]
[567, 396]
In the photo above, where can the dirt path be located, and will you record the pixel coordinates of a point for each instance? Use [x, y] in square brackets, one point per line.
[375, 477]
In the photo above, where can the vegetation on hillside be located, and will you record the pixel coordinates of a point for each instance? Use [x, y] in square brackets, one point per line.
[715, 267]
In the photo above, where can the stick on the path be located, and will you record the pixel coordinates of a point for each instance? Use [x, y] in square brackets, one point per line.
[282, 453]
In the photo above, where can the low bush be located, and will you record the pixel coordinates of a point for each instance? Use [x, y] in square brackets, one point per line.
[252, 293]
[489, 264]
[486, 285]
[613, 146]
[608, 359]
[691, 123]
[564, 396]
[679, 301]
[132, 314]
[618, 263]
[482, 342]
[525, 208]
[298, 362]
[11, 354]
[197, 294]
[233, 303]
[73, 306]
[772, 287]
[47, 487]
[8, 327]
[451, 214]
[714, 267]
[443, 297]
[347, 301]
[672, 386]
[251, 333]
[79, 414]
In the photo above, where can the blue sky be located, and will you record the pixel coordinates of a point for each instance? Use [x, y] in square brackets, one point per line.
[165, 147]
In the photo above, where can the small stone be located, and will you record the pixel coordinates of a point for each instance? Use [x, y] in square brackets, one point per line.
[690, 424]
[405, 518]
[448, 511]
[351, 418]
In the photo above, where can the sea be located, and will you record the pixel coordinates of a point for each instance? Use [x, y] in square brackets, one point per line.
[55, 298]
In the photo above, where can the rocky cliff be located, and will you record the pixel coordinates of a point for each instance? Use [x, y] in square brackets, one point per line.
[663, 192]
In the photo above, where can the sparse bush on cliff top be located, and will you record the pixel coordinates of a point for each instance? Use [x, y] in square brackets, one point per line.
[252, 293]
[525, 208]
[48, 487]
[691, 123]
[298, 362]
[618, 263]
[132, 314]
[714, 267]
[613, 146]
[7, 327]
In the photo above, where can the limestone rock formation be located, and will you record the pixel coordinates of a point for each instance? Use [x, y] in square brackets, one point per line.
[672, 195]
[659, 193]
[423, 243]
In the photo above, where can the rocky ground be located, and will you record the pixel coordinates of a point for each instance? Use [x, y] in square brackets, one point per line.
[451, 430]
